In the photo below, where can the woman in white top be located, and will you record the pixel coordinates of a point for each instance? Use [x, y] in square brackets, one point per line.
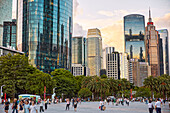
[150, 106]
[33, 108]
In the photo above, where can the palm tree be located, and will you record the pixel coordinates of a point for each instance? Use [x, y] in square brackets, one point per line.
[113, 86]
[150, 82]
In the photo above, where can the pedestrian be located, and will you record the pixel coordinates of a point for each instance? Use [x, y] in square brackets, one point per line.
[9, 100]
[164, 100]
[75, 106]
[21, 107]
[15, 106]
[150, 106]
[45, 101]
[73, 101]
[6, 106]
[158, 106]
[68, 104]
[26, 107]
[41, 106]
[101, 105]
[127, 102]
[33, 108]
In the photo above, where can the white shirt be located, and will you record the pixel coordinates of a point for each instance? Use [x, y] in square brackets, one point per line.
[158, 104]
[101, 103]
[33, 109]
[150, 105]
[42, 103]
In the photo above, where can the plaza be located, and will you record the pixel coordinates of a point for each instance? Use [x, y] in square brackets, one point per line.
[93, 107]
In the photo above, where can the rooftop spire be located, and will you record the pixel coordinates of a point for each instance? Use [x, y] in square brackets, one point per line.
[150, 19]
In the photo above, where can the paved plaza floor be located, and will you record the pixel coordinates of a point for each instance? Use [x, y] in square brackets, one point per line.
[93, 107]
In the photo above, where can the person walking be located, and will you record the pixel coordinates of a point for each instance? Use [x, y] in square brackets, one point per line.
[41, 106]
[45, 101]
[150, 106]
[21, 107]
[101, 105]
[33, 108]
[15, 106]
[26, 107]
[68, 104]
[6, 106]
[158, 106]
[75, 106]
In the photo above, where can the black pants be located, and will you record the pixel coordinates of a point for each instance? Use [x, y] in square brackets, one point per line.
[150, 110]
[158, 110]
[41, 109]
[67, 106]
[45, 106]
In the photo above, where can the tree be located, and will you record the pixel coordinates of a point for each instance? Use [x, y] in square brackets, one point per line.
[103, 76]
[65, 82]
[13, 73]
[84, 92]
[143, 92]
[79, 81]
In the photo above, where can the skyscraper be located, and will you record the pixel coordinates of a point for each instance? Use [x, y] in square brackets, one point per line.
[124, 66]
[94, 51]
[45, 32]
[9, 34]
[112, 63]
[165, 46]
[152, 48]
[5, 15]
[134, 31]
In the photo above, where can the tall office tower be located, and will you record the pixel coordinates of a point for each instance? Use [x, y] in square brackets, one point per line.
[94, 51]
[79, 56]
[134, 31]
[6, 15]
[112, 64]
[138, 71]
[44, 32]
[9, 34]
[161, 56]
[152, 48]
[165, 46]
[124, 66]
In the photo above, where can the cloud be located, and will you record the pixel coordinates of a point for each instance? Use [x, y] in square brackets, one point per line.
[78, 30]
[113, 36]
[106, 13]
[76, 9]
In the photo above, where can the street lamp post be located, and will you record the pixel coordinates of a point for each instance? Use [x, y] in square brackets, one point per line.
[1, 93]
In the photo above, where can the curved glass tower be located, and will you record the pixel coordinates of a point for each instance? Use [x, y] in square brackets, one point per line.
[134, 31]
[45, 32]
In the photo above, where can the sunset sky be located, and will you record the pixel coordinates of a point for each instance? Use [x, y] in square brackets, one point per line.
[107, 15]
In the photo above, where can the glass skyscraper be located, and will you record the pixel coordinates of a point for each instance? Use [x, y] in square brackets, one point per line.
[79, 51]
[164, 36]
[9, 34]
[134, 31]
[94, 51]
[5, 15]
[45, 32]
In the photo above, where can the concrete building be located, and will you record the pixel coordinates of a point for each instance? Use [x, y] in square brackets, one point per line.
[165, 49]
[94, 51]
[124, 66]
[112, 64]
[78, 69]
[152, 47]
[7, 50]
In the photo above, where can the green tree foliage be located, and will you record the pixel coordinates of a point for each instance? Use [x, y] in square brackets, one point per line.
[65, 83]
[143, 92]
[103, 76]
[84, 92]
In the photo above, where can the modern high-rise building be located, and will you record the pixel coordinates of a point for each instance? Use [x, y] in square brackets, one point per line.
[44, 32]
[79, 51]
[112, 63]
[5, 15]
[124, 66]
[152, 48]
[161, 56]
[165, 46]
[94, 51]
[9, 34]
[134, 31]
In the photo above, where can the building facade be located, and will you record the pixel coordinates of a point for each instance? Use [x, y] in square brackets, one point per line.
[6, 15]
[134, 32]
[113, 64]
[6, 50]
[9, 34]
[165, 48]
[124, 66]
[152, 48]
[45, 32]
[94, 51]
[78, 69]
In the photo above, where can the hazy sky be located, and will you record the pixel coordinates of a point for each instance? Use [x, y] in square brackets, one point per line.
[107, 15]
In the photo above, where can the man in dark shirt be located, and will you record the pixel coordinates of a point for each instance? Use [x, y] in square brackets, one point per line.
[15, 106]
[6, 105]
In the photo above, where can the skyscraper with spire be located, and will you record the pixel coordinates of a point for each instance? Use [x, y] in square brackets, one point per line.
[152, 47]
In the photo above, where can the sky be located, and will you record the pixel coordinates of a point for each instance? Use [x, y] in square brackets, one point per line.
[107, 15]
